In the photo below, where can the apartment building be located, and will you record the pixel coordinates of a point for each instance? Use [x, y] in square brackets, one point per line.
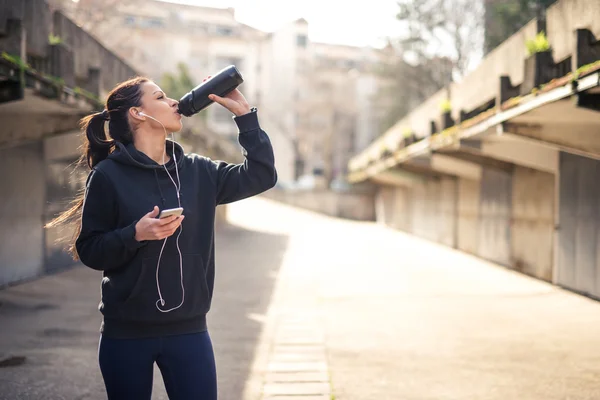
[315, 99]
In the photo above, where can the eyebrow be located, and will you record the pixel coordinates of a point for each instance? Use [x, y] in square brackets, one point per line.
[159, 91]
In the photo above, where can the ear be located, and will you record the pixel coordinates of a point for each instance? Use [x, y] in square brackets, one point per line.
[137, 114]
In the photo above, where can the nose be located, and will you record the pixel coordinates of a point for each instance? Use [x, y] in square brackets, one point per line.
[174, 103]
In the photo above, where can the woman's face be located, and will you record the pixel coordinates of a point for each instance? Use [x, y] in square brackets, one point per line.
[157, 105]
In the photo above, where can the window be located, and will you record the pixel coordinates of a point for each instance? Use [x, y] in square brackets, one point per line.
[351, 64]
[301, 40]
[224, 30]
[129, 20]
[226, 61]
[155, 23]
[198, 26]
[152, 23]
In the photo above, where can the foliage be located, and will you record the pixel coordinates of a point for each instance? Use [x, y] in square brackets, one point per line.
[57, 81]
[446, 106]
[176, 85]
[505, 17]
[16, 60]
[443, 37]
[85, 93]
[584, 69]
[439, 29]
[537, 45]
[54, 40]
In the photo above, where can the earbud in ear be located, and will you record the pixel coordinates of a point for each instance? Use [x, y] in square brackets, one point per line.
[142, 113]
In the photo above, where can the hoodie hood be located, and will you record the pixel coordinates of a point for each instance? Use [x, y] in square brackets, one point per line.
[129, 155]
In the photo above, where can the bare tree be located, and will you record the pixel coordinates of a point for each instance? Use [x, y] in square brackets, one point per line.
[443, 39]
[450, 29]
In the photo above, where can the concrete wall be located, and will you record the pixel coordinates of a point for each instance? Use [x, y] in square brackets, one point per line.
[357, 206]
[384, 206]
[494, 216]
[578, 257]
[532, 225]
[393, 207]
[483, 83]
[468, 215]
[40, 183]
[21, 213]
[507, 217]
[564, 17]
[90, 56]
[520, 152]
[447, 217]
[80, 60]
[425, 209]
[402, 209]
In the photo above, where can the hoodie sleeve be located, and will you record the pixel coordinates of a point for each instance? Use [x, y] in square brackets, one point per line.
[256, 174]
[99, 245]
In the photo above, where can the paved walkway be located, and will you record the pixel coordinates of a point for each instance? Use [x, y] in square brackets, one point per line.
[407, 319]
[313, 308]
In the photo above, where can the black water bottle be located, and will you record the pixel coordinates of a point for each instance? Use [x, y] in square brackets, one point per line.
[224, 82]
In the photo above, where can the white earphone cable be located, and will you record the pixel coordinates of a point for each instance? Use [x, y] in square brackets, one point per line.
[177, 188]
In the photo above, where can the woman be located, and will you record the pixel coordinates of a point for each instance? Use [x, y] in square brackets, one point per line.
[158, 274]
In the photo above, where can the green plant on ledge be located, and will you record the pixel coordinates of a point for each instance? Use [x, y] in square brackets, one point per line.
[57, 81]
[446, 106]
[16, 60]
[584, 69]
[537, 45]
[85, 93]
[55, 40]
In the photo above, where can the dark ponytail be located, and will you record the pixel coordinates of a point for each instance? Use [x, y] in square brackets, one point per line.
[97, 146]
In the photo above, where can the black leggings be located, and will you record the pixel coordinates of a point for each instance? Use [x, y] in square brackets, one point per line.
[186, 362]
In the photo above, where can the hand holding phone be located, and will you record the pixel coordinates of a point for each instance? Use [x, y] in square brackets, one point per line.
[171, 211]
[151, 228]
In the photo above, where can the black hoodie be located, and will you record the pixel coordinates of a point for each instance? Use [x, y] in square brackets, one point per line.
[127, 185]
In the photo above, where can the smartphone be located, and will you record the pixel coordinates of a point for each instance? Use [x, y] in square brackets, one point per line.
[171, 211]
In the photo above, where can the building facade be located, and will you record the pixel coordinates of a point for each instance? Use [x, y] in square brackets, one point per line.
[316, 100]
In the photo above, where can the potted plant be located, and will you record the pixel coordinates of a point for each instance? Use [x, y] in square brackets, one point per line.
[446, 108]
[409, 136]
[539, 63]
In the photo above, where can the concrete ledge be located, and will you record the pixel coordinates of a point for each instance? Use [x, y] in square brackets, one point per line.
[352, 205]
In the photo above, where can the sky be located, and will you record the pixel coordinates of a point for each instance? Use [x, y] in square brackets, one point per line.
[350, 22]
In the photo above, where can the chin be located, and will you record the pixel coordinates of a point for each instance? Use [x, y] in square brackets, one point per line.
[175, 126]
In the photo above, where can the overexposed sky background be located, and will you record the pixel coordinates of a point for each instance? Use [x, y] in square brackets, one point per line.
[356, 23]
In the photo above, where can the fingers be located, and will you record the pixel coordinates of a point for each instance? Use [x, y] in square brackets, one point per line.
[162, 231]
[173, 224]
[166, 220]
[153, 213]
[218, 99]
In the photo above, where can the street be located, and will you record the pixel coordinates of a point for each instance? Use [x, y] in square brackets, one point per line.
[312, 307]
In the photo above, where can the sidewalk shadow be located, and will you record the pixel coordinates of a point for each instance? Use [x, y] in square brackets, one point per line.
[247, 266]
[49, 334]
